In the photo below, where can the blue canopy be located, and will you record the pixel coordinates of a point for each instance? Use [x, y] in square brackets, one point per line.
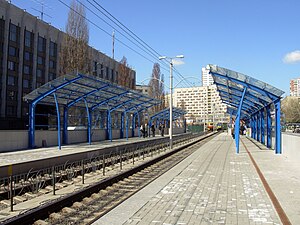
[85, 91]
[249, 98]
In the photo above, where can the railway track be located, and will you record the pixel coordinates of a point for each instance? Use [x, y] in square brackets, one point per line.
[89, 203]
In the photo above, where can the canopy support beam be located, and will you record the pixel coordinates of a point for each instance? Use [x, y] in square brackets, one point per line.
[237, 122]
[277, 127]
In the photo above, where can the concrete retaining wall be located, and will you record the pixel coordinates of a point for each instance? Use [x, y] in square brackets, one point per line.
[291, 146]
[11, 140]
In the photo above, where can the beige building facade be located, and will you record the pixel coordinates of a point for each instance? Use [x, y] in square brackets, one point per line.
[202, 103]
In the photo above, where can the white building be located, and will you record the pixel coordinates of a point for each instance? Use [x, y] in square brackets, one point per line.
[145, 89]
[295, 87]
[206, 77]
[202, 103]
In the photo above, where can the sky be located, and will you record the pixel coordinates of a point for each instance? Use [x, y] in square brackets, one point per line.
[257, 38]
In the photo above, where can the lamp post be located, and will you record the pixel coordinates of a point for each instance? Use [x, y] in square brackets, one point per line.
[170, 60]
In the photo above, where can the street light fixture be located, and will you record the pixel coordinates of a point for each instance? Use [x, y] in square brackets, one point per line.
[170, 61]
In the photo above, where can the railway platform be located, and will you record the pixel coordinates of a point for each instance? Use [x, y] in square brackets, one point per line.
[34, 159]
[215, 185]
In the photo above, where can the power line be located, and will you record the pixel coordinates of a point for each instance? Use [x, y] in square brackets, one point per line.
[141, 44]
[106, 31]
[130, 33]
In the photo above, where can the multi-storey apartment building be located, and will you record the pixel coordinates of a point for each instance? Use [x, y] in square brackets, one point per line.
[295, 87]
[30, 57]
[202, 103]
[207, 79]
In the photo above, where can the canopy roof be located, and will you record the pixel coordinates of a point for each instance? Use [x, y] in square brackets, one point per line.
[231, 84]
[165, 114]
[93, 92]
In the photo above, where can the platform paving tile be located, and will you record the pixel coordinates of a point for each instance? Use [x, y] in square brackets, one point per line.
[214, 186]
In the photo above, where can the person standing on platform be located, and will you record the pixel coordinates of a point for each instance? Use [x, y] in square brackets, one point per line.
[146, 130]
[153, 130]
[162, 130]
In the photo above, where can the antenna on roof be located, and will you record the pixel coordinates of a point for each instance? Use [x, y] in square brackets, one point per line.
[43, 7]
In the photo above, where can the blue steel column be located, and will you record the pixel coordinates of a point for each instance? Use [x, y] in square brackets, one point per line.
[258, 126]
[109, 125]
[31, 131]
[107, 131]
[127, 125]
[58, 121]
[252, 126]
[269, 127]
[262, 119]
[277, 127]
[133, 126]
[237, 123]
[89, 130]
[65, 128]
[139, 124]
[122, 125]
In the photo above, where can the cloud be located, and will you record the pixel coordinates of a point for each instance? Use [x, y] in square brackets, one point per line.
[177, 62]
[292, 57]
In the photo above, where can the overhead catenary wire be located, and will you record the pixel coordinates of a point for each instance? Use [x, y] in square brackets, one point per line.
[106, 32]
[136, 41]
[124, 28]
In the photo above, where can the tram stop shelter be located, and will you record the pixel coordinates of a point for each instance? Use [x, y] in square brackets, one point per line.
[91, 93]
[250, 100]
[164, 115]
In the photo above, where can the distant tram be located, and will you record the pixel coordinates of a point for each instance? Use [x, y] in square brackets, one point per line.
[210, 126]
[219, 126]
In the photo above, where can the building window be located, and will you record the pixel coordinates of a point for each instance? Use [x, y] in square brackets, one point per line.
[11, 65]
[107, 73]
[95, 69]
[28, 38]
[41, 44]
[52, 49]
[27, 56]
[39, 73]
[13, 32]
[12, 51]
[25, 83]
[51, 76]
[112, 75]
[26, 69]
[52, 64]
[11, 80]
[12, 95]
[40, 60]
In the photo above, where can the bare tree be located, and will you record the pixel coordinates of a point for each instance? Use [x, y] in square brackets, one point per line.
[156, 85]
[75, 50]
[291, 108]
[124, 74]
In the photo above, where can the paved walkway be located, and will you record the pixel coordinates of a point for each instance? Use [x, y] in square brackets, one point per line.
[215, 186]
